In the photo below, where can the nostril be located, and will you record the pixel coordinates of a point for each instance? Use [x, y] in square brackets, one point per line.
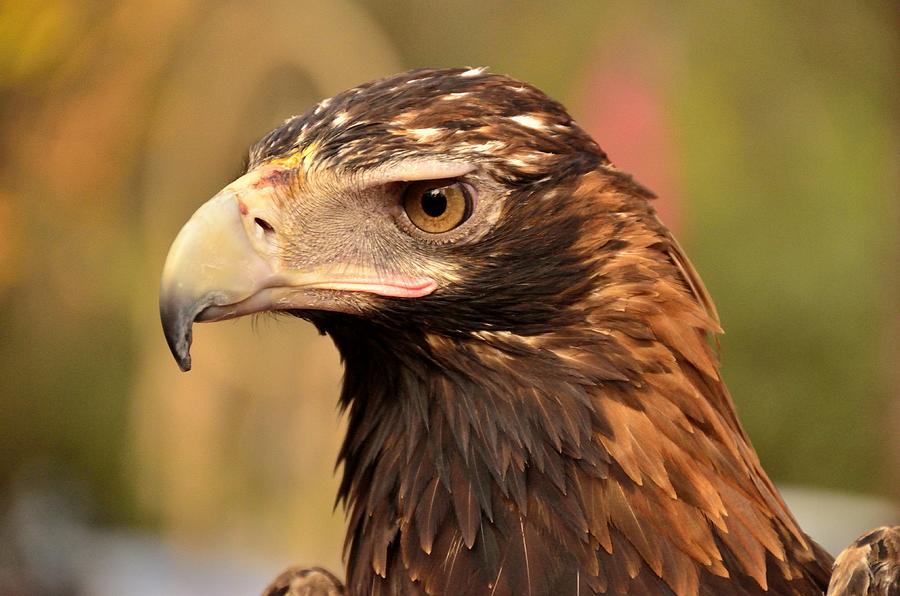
[264, 225]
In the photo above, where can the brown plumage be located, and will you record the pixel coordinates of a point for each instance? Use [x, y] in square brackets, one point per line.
[870, 566]
[305, 581]
[534, 404]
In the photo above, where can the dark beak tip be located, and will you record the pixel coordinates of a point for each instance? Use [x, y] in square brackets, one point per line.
[180, 346]
[177, 326]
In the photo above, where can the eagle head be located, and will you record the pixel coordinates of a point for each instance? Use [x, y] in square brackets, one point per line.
[446, 200]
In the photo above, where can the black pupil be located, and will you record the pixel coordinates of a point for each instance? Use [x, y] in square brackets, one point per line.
[434, 202]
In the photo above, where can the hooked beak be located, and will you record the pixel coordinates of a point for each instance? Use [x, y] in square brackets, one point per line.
[223, 264]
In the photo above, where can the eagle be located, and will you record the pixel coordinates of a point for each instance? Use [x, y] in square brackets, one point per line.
[531, 380]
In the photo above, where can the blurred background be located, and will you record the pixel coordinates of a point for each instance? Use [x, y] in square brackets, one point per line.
[768, 129]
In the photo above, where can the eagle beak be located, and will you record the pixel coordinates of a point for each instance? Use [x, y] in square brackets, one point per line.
[211, 263]
[225, 263]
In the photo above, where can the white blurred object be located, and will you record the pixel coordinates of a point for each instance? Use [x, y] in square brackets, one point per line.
[835, 519]
[49, 548]
[144, 566]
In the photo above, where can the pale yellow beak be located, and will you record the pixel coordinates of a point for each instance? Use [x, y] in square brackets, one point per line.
[223, 264]
[211, 263]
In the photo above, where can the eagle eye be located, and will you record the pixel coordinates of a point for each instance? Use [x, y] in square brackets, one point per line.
[436, 206]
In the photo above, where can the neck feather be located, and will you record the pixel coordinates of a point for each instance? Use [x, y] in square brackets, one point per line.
[606, 451]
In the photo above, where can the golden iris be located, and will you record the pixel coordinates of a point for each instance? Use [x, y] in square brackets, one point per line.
[436, 206]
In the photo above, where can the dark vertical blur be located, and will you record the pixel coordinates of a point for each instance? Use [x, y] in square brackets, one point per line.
[769, 130]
